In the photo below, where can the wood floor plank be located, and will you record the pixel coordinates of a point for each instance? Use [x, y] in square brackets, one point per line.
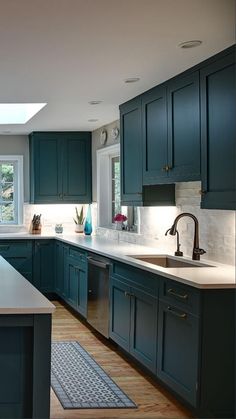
[152, 400]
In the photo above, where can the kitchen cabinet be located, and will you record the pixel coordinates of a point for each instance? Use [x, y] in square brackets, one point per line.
[43, 265]
[131, 152]
[178, 334]
[60, 167]
[132, 190]
[61, 254]
[133, 317]
[171, 131]
[76, 280]
[218, 133]
[19, 254]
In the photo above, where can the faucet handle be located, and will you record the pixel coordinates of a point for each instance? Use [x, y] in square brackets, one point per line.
[198, 251]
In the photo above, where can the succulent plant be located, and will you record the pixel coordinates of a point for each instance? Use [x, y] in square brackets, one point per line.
[79, 217]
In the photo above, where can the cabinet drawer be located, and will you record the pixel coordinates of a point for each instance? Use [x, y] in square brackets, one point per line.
[78, 254]
[136, 277]
[19, 248]
[180, 295]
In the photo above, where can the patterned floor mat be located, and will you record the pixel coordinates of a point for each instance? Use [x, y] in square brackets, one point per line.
[80, 383]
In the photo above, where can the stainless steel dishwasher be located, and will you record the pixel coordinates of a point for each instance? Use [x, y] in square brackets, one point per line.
[98, 294]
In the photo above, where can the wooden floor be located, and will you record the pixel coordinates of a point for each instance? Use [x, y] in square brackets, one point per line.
[152, 400]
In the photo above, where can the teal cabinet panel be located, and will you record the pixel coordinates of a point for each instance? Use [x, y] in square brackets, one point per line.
[77, 169]
[119, 313]
[218, 133]
[45, 168]
[178, 340]
[25, 355]
[143, 331]
[154, 135]
[131, 152]
[19, 254]
[72, 285]
[133, 315]
[61, 251]
[184, 128]
[75, 286]
[60, 167]
[43, 265]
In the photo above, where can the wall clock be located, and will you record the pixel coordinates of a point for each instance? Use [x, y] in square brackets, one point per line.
[115, 133]
[103, 137]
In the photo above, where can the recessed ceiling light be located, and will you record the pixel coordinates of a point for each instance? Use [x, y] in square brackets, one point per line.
[18, 113]
[132, 80]
[92, 120]
[190, 44]
[95, 102]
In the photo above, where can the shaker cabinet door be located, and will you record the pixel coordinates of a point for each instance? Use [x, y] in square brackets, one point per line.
[120, 313]
[143, 333]
[178, 345]
[154, 132]
[131, 152]
[184, 128]
[218, 132]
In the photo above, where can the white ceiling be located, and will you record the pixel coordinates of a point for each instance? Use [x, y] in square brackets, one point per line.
[68, 52]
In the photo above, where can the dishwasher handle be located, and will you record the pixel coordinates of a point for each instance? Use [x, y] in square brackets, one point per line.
[98, 263]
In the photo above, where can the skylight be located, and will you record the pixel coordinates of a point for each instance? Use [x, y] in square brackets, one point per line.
[18, 113]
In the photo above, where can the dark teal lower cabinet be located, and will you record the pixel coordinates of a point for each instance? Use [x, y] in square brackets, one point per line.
[119, 313]
[25, 357]
[133, 321]
[61, 254]
[75, 279]
[19, 254]
[178, 343]
[44, 265]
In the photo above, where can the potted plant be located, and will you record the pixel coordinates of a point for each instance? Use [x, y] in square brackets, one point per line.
[79, 220]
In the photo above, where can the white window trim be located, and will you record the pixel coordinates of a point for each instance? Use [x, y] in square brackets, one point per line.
[104, 188]
[19, 185]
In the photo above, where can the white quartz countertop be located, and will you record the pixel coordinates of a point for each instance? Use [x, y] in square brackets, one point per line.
[18, 296]
[217, 276]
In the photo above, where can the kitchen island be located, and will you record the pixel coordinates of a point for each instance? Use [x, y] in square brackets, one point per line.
[25, 347]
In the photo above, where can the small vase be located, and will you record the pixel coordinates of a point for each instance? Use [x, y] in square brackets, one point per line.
[88, 222]
[119, 225]
[79, 228]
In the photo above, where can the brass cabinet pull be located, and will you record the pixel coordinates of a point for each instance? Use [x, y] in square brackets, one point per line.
[60, 195]
[128, 294]
[175, 294]
[202, 192]
[175, 313]
[165, 168]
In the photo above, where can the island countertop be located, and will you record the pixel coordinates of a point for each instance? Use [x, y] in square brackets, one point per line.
[18, 296]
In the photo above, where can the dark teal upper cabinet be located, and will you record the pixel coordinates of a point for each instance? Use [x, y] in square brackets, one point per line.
[154, 122]
[218, 132]
[60, 165]
[131, 152]
[183, 128]
[171, 131]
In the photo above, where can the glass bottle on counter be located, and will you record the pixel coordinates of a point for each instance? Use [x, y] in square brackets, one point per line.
[88, 222]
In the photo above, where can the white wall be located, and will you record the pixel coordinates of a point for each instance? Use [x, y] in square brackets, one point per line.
[17, 145]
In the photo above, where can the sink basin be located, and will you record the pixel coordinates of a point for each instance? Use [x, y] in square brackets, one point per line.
[169, 261]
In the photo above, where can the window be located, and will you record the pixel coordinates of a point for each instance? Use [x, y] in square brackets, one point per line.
[11, 189]
[115, 186]
[108, 189]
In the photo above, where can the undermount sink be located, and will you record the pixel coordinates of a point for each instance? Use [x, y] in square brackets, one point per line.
[169, 261]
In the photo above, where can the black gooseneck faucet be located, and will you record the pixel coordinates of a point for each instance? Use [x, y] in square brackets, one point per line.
[197, 252]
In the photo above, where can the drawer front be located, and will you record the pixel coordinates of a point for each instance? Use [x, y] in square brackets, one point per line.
[181, 295]
[17, 248]
[78, 255]
[136, 277]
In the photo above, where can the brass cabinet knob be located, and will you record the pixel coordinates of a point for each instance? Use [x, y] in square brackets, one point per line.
[202, 192]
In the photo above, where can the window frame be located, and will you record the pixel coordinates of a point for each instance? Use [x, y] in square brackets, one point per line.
[18, 200]
[104, 188]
